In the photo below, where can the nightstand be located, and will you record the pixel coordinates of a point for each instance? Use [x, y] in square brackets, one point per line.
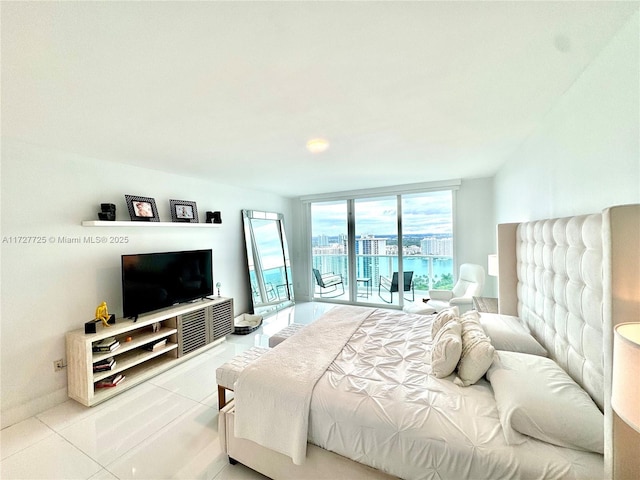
[485, 304]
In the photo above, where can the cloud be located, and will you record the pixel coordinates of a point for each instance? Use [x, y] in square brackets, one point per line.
[426, 213]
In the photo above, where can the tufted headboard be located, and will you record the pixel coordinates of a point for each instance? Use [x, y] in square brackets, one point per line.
[560, 291]
[570, 280]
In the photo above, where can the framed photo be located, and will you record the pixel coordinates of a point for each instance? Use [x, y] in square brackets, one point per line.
[142, 209]
[183, 211]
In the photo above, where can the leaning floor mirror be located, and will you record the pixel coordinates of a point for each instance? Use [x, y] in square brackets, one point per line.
[267, 261]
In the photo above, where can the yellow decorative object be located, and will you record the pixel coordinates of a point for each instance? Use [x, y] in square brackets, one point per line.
[103, 314]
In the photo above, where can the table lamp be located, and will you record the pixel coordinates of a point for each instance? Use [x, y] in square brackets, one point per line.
[492, 265]
[625, 400]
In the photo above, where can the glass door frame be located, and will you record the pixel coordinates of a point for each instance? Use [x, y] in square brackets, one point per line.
[351, 198]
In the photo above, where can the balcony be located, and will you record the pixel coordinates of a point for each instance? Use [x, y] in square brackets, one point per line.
[429, 272]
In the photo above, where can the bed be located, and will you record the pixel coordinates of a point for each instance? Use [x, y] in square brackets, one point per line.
[363, 399]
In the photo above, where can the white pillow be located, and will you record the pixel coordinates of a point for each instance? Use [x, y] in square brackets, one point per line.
[446, 349]
[443, 317]
[477, 351]
[509, 333]
[535, 397]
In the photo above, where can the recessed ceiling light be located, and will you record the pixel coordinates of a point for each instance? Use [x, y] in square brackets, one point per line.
[317, 145]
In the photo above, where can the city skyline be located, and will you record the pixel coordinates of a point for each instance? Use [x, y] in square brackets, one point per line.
[387, 236]
[431, 244]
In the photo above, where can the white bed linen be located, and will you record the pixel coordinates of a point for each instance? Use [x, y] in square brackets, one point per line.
[273, 394]
[377, 404]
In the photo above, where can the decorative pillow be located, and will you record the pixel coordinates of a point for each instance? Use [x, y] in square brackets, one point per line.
[535, 397]
[446, 349]
[509, 333]
[477, 351]
[443, 317]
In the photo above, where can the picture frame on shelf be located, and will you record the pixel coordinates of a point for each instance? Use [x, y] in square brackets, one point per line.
[142, 209]
[183, 211]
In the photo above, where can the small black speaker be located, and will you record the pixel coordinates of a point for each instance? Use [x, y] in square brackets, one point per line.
[108, 212]
[92, 326]
[214, 217]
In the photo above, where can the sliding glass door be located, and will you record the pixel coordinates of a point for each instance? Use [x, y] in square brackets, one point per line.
[330, 249]
[427, 226]
[388, 249]
[376, 248]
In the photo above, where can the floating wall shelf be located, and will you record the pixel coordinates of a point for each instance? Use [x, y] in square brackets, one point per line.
[105, 223]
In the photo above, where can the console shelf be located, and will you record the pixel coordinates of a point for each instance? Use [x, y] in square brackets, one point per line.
[138, 374]
[139, 341]
[188, 330]
[133, 358]
[105, 223]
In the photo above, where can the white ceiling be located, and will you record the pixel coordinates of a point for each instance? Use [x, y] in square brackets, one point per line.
[405, 92]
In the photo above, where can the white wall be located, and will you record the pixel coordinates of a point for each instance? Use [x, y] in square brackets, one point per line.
[475, 231]
[51, 288]
[586, 155]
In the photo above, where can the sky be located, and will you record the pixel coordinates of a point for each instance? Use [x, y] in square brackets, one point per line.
[422, 213]
[268, 243]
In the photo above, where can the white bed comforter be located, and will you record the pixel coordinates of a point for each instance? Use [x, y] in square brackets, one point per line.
[377, 404]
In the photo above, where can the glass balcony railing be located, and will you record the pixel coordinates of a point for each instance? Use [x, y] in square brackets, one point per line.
[429, 271]
[275, 285]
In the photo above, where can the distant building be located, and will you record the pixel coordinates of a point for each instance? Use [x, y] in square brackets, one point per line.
[370, 245]
[334, 249]
[323, 241]
[437, 246]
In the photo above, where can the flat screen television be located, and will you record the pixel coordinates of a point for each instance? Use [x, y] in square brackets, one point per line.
[151, 281]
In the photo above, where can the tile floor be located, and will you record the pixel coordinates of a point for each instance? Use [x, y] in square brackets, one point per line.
[166, 427]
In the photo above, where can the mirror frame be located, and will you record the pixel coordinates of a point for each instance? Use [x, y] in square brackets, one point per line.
[265, 297]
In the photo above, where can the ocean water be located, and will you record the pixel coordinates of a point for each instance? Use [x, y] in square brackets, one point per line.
[372, 266]
[420, 266]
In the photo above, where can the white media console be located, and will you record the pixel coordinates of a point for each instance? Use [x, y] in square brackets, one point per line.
[187, 329]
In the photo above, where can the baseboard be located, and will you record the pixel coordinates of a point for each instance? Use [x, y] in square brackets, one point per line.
[31, 408]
